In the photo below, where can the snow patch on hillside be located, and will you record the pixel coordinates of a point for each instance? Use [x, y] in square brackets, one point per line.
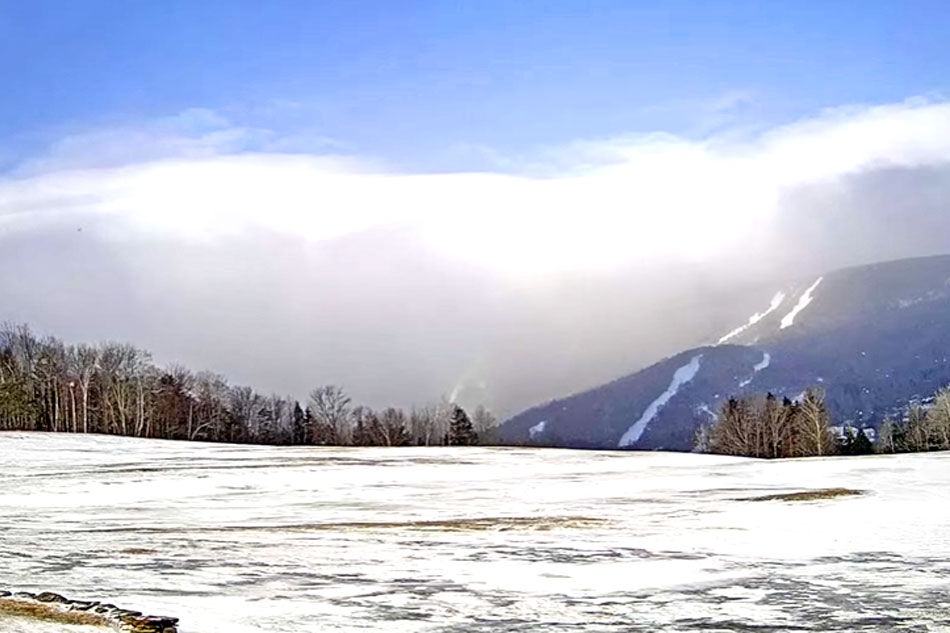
[932, 295]
[765, 362]
[537, 429]
[704, 408]
[755, 318]
[680, 377]
[906, 303]
[803, 302]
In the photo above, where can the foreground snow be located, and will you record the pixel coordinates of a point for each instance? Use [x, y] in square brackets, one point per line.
[278, 540]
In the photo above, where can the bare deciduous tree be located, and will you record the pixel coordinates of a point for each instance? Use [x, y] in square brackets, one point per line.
[485, 425]
[391, 428]
[330, 408]
[816, 438]
[764, 427]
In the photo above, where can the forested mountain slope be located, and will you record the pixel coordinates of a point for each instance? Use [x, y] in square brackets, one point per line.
[873, 336]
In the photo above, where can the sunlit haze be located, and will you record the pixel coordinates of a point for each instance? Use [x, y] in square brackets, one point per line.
[509, 229]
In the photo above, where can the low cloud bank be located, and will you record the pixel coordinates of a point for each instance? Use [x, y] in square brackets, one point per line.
[288, 270]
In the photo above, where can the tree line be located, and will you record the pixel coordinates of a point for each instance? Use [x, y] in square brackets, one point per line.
[923, 427]
[115, 388]
[766, 427]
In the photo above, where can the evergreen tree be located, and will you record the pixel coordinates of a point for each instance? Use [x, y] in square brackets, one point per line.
[461, 431]
[845, 443]
[862, 445]
[309, 425]
[299, 422]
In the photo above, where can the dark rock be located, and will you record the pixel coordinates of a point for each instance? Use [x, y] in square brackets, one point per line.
[48, 596]
[124, 620]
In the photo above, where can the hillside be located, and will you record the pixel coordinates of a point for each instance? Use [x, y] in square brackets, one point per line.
[873, 336]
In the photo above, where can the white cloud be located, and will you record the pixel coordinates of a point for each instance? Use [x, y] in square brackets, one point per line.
[208, 243]
[609, 203]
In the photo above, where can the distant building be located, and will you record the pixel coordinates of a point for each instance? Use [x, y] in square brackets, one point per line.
[841, 432]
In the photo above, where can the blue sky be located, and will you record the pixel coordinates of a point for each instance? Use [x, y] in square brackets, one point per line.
[446, 85]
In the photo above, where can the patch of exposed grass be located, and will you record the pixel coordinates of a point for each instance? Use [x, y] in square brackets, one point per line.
[50, 613]
[459, 524]
[137, 551]
[476, 524]
[809, 495]
[462, 524]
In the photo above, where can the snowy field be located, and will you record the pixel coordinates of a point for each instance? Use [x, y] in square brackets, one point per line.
[290, 540]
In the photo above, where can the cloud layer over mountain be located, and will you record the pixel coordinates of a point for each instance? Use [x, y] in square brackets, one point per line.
[232, 248]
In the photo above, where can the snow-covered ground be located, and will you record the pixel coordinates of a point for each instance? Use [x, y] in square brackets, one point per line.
[283, 540]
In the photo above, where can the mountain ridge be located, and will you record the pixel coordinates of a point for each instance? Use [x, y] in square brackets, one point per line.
[873, 336]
